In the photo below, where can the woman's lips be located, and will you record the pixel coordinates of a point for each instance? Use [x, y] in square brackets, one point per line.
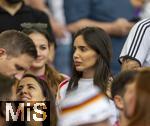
[24, 98]
[77, 63]
[38, 60]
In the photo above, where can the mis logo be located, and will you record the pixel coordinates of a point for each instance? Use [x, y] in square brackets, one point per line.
[29, 111]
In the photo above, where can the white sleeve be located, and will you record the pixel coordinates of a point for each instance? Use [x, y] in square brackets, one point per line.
[137, 44]
[62, 91]
[61, 94]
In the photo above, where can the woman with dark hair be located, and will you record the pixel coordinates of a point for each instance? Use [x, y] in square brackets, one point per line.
[33, 89]
[91, 62]
[30, 80]
[44, 42]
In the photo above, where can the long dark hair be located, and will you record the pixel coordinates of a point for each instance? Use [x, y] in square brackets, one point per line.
[99, 41]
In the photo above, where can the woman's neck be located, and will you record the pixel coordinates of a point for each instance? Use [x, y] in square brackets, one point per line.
[88, 74]
[38, 71]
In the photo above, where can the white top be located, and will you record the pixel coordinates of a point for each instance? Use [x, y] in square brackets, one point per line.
[83, 83]
[84, 87]
[137, 45]
[84, 106]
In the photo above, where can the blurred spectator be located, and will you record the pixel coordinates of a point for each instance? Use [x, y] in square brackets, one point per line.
[137, 3]
[17, 52]
[111, 16]
[56, 26]
[145, 13]
[63, 44]
[43, 42]
[6, 84]
[142, 7]
[121, 90]
[140, 110]
[13, 62]
[55, 12]
[15, 12]
[136, 50]
[5, 91]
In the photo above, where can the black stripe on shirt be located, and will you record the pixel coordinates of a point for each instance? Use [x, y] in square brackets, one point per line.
[141, 40]
[136, 37]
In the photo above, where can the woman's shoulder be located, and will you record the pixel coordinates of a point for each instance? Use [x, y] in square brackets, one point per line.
[62, 88]
[64, 83]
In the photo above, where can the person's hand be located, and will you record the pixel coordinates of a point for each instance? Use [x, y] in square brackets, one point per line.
[121, 27]
[58, 29]
[130, 64]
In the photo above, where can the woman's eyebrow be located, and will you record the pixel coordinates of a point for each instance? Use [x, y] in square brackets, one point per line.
[30, 84]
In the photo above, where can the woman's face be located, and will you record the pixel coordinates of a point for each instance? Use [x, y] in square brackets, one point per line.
[29, 90]
[42, 47]
[84, 57]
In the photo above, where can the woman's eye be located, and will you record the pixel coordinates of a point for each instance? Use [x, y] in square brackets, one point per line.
[83, 49]
[31, 87]
[74, 49]
[19, 89]
[43, 47]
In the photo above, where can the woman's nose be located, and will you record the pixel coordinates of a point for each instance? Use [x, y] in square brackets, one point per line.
[24, 90]
[38, 52]
[76, 54]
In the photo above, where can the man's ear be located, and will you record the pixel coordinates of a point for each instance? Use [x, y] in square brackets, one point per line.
[2, 52]
[119, 102]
